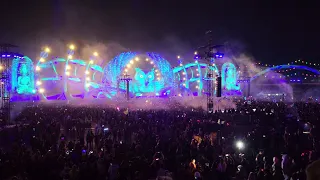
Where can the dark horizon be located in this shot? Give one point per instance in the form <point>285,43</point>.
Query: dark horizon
<point>272,32</point>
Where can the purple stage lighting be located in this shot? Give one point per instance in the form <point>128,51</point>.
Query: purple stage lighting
<point>196,57</point>
<point>218,55</point>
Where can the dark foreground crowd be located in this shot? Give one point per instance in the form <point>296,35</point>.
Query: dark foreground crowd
<point>256,141</point>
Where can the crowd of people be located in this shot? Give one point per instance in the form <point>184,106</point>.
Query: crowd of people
<point>254,141</point>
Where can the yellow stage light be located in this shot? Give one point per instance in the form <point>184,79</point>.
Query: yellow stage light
<point>131,61</point>
<point>69,57</point>
<point>87,72</point>
<point>72,47</point>
<point>47,50</point>
<point>42,60</point>
<point>41,90</point>
<point>37,68</point>
<point>91,61</point>
<point>39,83</point>
<point>87,78</point>
<point>137,59</point>
<point>68,73</point>
<point>96,54</point>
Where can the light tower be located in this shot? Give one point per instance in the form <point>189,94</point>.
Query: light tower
<point>6,55</point>
<point>210,53</point>
<point>126,78</point>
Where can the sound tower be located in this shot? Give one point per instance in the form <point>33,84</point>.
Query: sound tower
<point>218,84</point>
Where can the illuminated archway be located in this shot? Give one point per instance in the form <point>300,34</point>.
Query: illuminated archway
<point>229,76</point>
<point>64,78</point>
<point>150,74</point>
<point>286,67</point>
<point>192,76</point>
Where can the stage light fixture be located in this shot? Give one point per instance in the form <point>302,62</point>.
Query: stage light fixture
<point>240,145</point>
<point>39,83</point>
<point>69,57</point>
<point>41,90</point>
<point>47,50</point>
<point>72,47</point>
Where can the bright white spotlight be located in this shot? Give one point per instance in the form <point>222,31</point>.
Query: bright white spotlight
<point>91,61</point>
<point>42,59</point>
<point>41,90</point>
<point>178,57</point>
<point>137,59</point>
<point>68,67</point>
<point>47,50</point>
<point>87,72</point>
<point>131,61</point>
<point>72,47</point>
<point>37,68</point>
<point>87,78</point>
<point>68,73</point>
<point>147,59</point>
<point>87,85</point>
<point>240,145</point>
<point>39,83</point>
<point>151,62</point>
<point>96,54</point>
<point>128,65</point>
<point>195,53</point>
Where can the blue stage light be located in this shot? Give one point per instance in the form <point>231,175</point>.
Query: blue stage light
<point>218,55</point>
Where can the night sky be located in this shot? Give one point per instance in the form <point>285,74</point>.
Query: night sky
<point>271,31</point>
